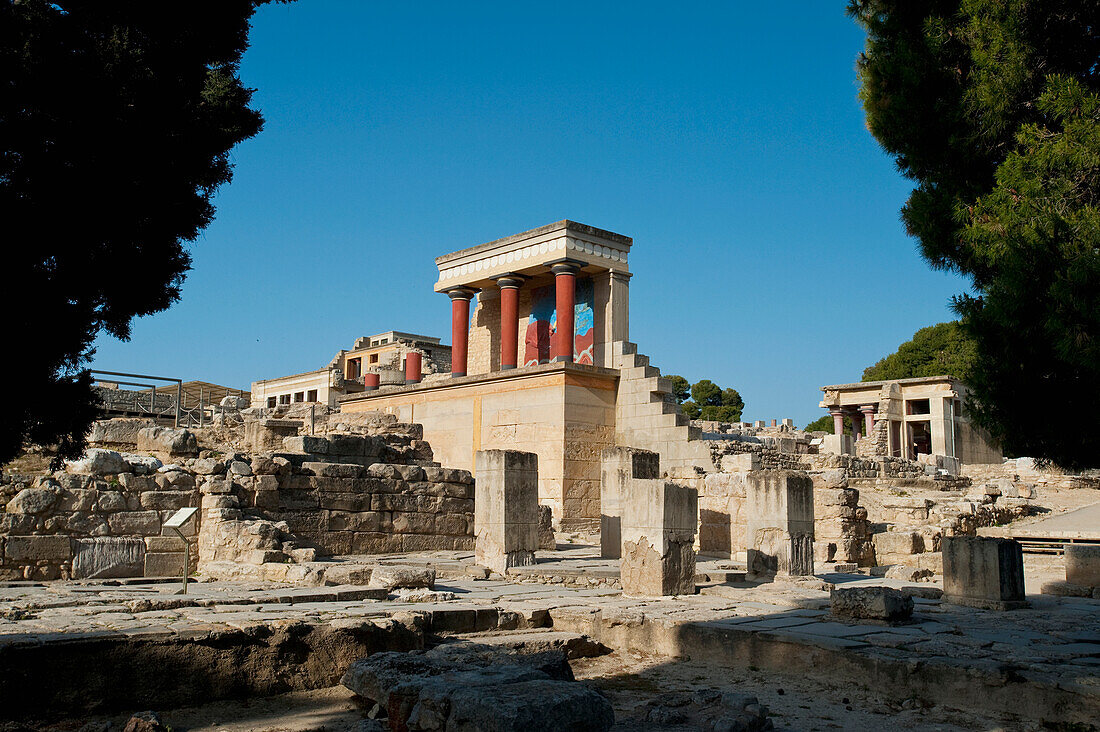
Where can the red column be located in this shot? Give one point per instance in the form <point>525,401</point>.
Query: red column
<point>460,326</point>
<point>855,427</point>
<point>412,367</point>
<point>838,421</point>
<point>565,288</point>
<point>370,382</point>
<point>509,321</point>
<point>868,417</point>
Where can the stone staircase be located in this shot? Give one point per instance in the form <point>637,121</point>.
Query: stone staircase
<point>648,417</point>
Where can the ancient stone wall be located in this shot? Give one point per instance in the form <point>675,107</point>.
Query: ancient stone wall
<point>107,494</point>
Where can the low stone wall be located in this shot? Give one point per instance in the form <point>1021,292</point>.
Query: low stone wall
<point>333,495</point>
<point>1024,470</point>
<point>112,495</point>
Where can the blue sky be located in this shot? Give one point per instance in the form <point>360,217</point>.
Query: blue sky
<point>727,139</point>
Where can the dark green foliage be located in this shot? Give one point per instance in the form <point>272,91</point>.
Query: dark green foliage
<point>116,123</point>
<point>706,393</point>
<point>713,403</point>
<point>991,106</point>
<point>681,389</point>
<point>942,349</point>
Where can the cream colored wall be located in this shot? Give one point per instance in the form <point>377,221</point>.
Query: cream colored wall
<point>319,380</point>
<point>566,419</point>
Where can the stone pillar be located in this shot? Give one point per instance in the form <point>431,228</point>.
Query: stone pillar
<point>413,367</point>
<point>506,508</point>
<point>460,328</point>
<point>658,526</point>
<point>855,428</point>
<point>565,288</point>
<point>509,321</point>
<point>779,523</point>
<point>370,382</point>
<point>868,411</point>
<point>984,572</point>
<point>618,466</point>
<point>838,420</point>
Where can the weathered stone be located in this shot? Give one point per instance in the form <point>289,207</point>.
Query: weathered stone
<point>37,548</point>
<point>984,572</point>
<point>167,440</point>
<point>1083,565</point>
<point>392,576</point>
<point>117,432</point>
<point>141,523</point>
<point>547,540</point>
<point>779,526</point>
<point>141,464</point>
<point>34,500</point>
<point>108,557</point>
<point>618,466</point>
<point>871,603</point>
<point>506,509</point>
<point>97,461</point>
<point>658,531</point>
<point>208,466</point>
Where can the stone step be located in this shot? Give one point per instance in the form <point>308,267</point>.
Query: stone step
<point>631,360</point>
<point>639,372</point>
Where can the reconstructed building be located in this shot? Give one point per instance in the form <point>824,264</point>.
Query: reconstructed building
<point>384,354</point>
<point>906,418</point>
<point>544,364</point>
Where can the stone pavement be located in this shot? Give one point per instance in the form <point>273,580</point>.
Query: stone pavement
<point>1047,655</point>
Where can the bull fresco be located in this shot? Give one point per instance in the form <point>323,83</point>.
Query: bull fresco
<point>543,322</point>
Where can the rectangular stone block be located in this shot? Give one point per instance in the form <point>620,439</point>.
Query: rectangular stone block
<point>658,534</point>
<point>506,512</point>
<point>1083,565</point>
<point>619,465</point>
<point>34,548</point>
<point>164,564</point>
<point>983,572</point>
<point>779,523</point>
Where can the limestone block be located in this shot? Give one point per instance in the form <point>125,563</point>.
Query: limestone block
<point>1083,565</point>
<point>394,576</point>
<point>658,533</point>
<point>779,523</point>
<point>741,462</point>
<point>142,464</point>
<point>163,564</point>
<point>140,523</point>
<point>871,603</point>
<point>35,548</point>
<point>618,466</point>
<point>108,557</point>
<point>546,529</point>
<point>117,431</point>
<point>167,440</point>
<point>898,542</point>
<point>34,500</point>
<point>305,443</point>
<point>984,572</point>
<point>98,462</point>
<point>168,500</point>
<point>505,508</point>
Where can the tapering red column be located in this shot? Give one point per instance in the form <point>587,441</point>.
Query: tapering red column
<point>868,417</point>
<point>509,321</point>
<point>460,327</point>
<point>838,421</point>
<point>565,289</point>
<point>370,382</point>
<point>413,366</point>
